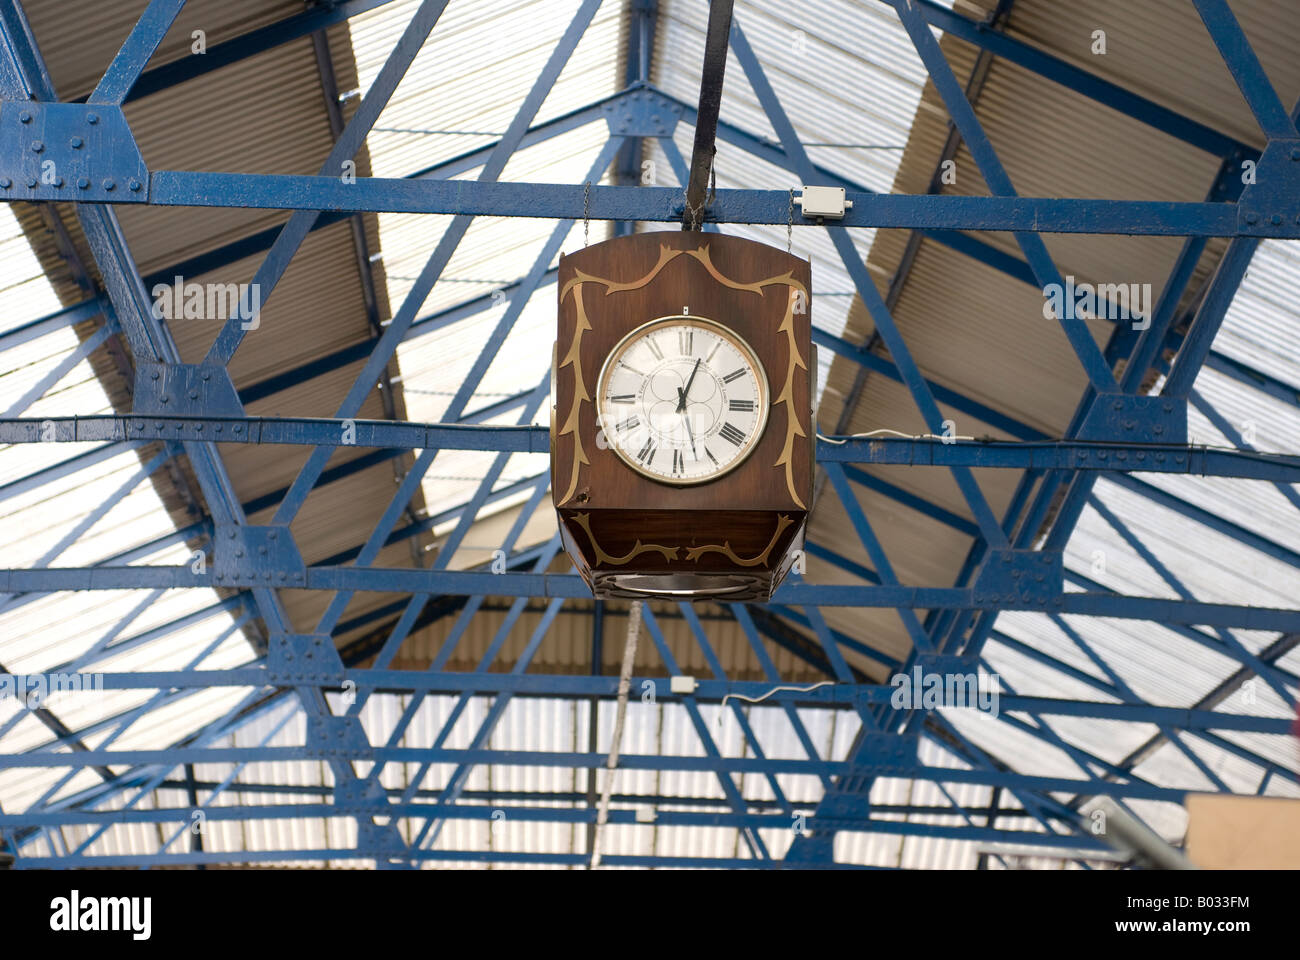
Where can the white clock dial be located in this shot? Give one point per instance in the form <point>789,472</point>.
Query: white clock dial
<point>682,400</point>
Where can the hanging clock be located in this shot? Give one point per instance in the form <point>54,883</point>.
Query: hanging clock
<point>682,419</point>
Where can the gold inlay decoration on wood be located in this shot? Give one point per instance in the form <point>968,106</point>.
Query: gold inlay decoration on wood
<point>694,553</point>
<point>584,520</point>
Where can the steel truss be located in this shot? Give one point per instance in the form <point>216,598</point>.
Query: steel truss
<point>1117,431</point>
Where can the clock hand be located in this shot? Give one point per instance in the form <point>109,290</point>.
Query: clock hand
<point>681,400</point>
<point>690,433</point>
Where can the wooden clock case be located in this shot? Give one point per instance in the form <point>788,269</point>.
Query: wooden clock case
<point>732,538</point>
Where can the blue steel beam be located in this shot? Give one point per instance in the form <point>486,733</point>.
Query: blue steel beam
<point>638,52</point>
<point>60,319</point>
<point>146,789</point>
<point>262,241</point>
<point>1092,456</point>
<point>773,153</point>
<point>1206,325</point>
<point>107,861</point>
<point>1129,696</point>
<point>571,815</point>
<point>95,515</point>
<point>1146,352</point>
<point>545,556</point>
<point>741,718</point>
<point>397,330</point>
<point>841,695</point>
<point>757,847</point>
<point>1187,363</point>
<point>568,797</point>
<point>1220,423</point>
<point>1081,81</point>
<point>417,580</point>
<point>862,282</point>
<point>746,622</point>
<point>795,616</point>
<point>148,338</point>
<point>995,19</point>
<point>1246,70</point>
<point>248,45</point>
<point>995,176</point>
<point>123,722</point>
<point>1191,251</point>
<point>1234,646</point>
<point>1209,640</point>
<point>527,758</point>
<point>1042,808</point>
<point>59,371</point>
<point>345,148</point>
<point>139,46</point>
<point>557,201</point>
<point>875,549</point>
<point>167,698</point>
<point>459,777</point>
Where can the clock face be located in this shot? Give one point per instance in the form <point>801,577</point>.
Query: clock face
<point>682,400</point>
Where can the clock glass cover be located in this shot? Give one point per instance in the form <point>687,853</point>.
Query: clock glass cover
<point>682,400</point>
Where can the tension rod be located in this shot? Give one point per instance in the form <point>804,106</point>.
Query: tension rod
<point>706,121</point>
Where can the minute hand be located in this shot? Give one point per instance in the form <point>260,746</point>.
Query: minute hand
<point>681,401</point>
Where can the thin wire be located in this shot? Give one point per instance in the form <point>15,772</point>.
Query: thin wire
<point>892,433</point>
<point>741,696</point>
<point>586,205</point>
<point>789,225</point>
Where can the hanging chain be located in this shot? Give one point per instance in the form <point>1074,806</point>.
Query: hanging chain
<point>586,206</point>
<point>695,214</point>
<point>789,223</point>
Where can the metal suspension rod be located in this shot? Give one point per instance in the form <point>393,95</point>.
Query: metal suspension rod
<point>706,121</point>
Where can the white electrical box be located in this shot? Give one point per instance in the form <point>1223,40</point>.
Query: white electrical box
<point>682,684</point>
<point>825,202</point>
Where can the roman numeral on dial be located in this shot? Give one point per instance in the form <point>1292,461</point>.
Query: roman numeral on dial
<point>685,342</point>
<point>626,425</point>
<point>654,348</point>
<point>743,406</point>
<point>623,398</point>
<point>647,454</point>
<point>734,375</point>
<point>731,434</point>
<point>679,463</point>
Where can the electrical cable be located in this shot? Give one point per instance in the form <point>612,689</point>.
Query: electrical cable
<point>741,696</point>
<point>1063,442</point>
<point>885,430</point>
